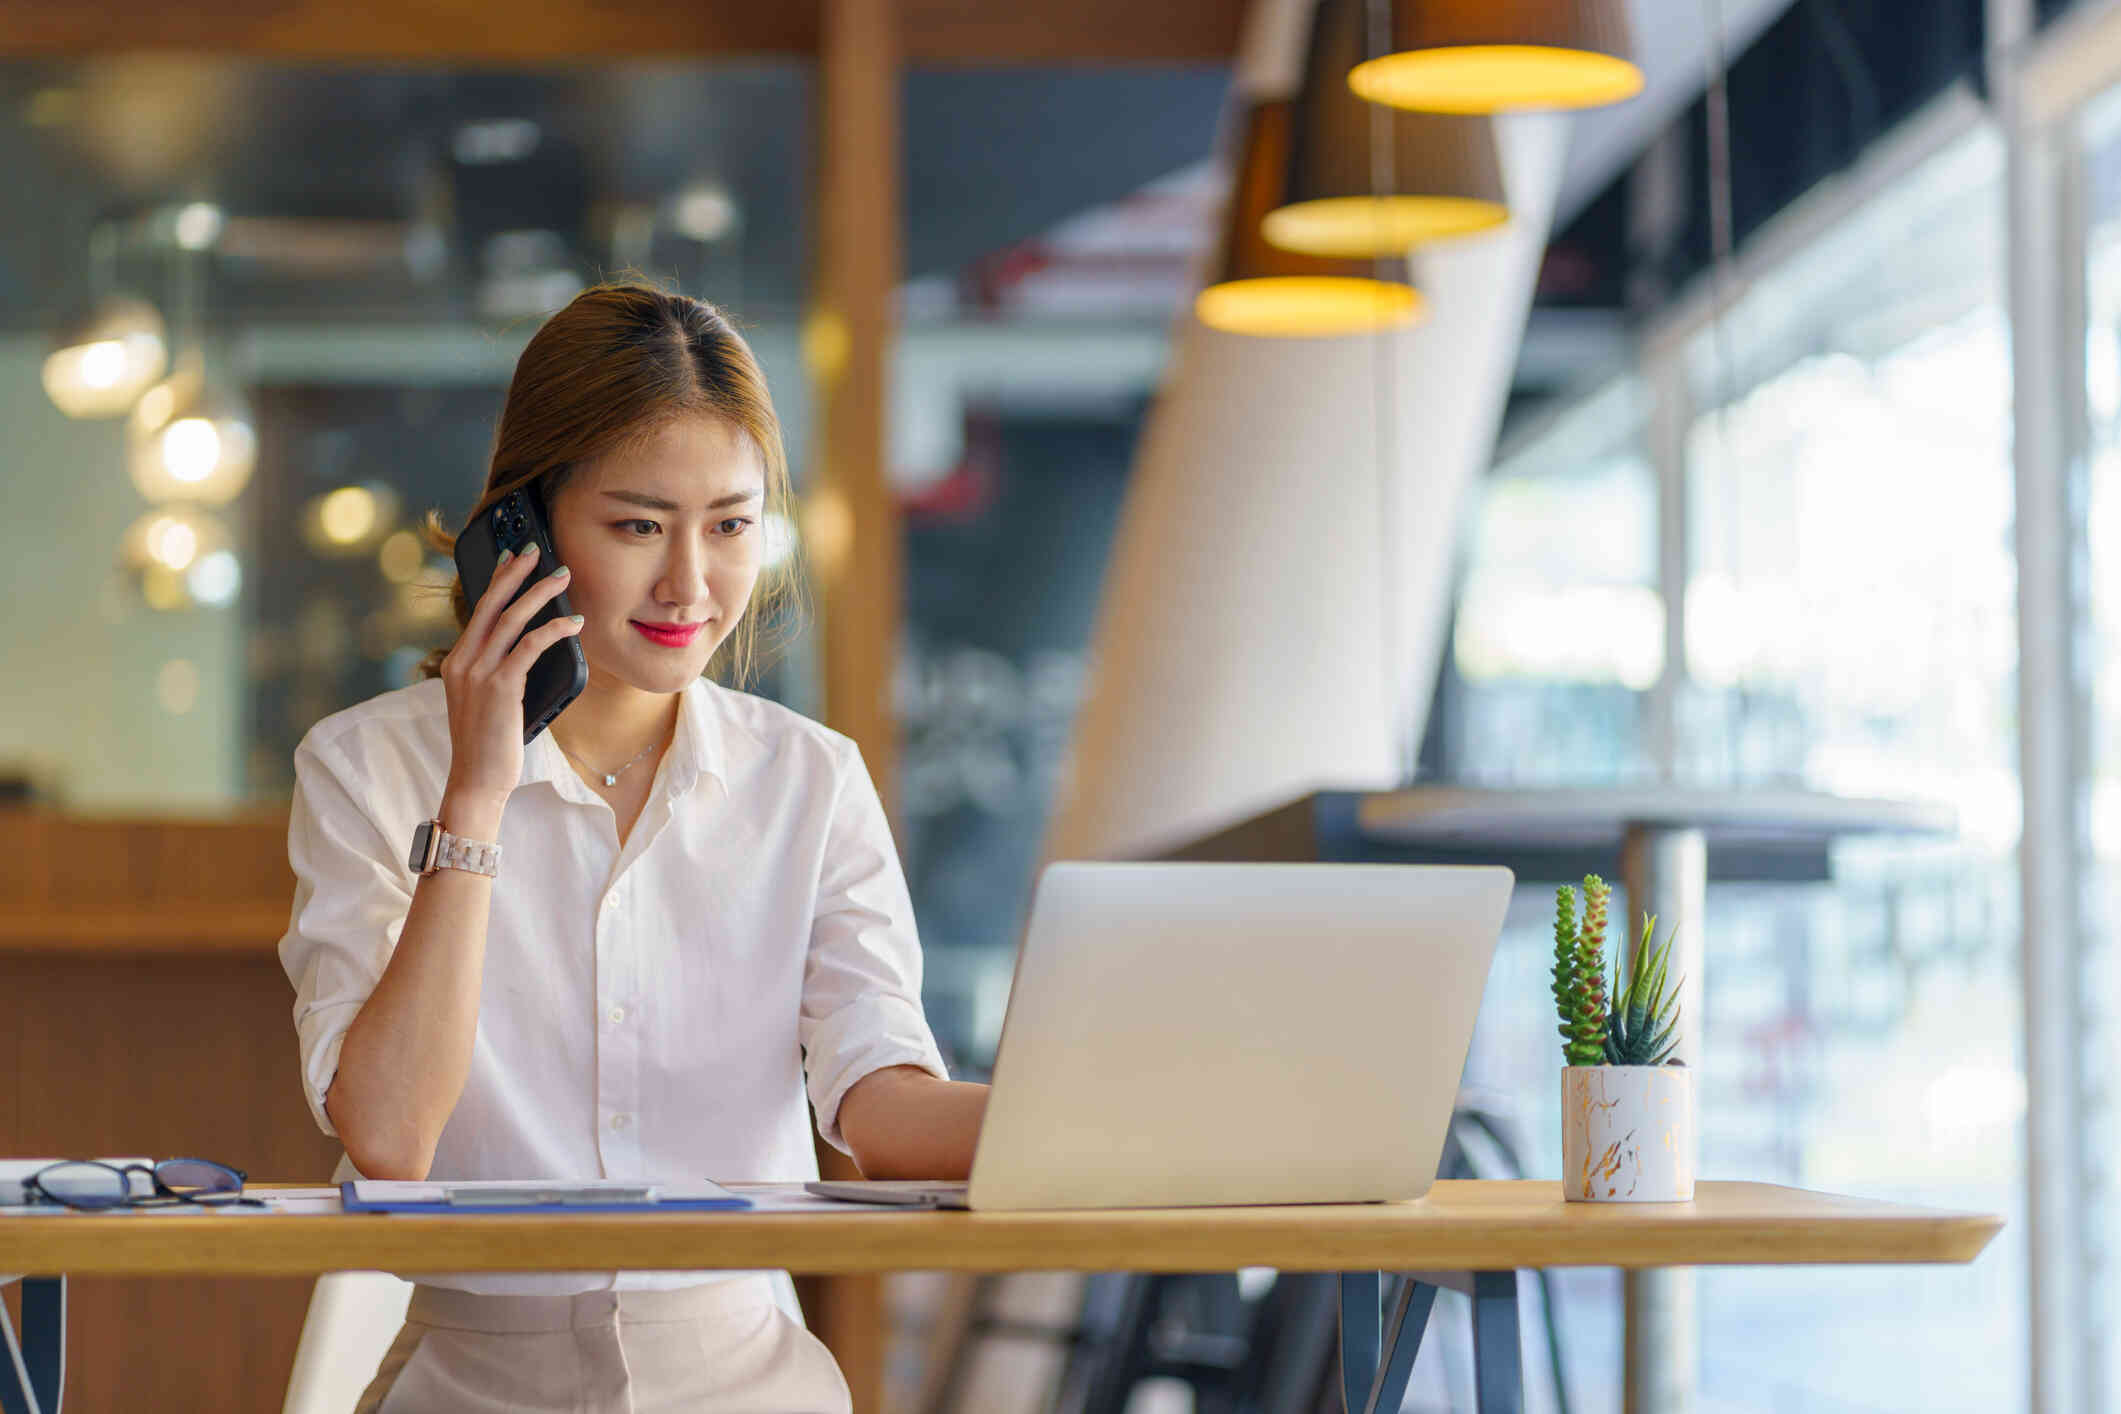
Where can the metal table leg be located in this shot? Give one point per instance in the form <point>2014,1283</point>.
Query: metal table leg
<point>1666,872</point>
<point>1374,1380</point>
<point>34,1377</point>
<point>1498,1364</point>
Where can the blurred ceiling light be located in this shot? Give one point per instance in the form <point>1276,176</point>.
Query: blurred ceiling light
<point>350,519</point>
<point>105,356</point>
<point>191,440</point>
<point>1258,289</point>
<point>215,578</point>
<point>402,557</point>
<point>1440,177</point>
<point>197,225</point>
<point>490,140</point>
<point>163,544</point>
<point>348,514</point>
<point>1478,56</point>
<point>704,211</point>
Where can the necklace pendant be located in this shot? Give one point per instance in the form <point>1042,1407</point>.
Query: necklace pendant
<point>611,780</point>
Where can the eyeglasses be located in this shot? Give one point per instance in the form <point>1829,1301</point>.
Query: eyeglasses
<point>88,1184</point>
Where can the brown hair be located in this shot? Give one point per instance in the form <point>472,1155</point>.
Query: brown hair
<point>620,362</point>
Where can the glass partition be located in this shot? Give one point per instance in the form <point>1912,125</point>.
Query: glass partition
<point>1850,628</point>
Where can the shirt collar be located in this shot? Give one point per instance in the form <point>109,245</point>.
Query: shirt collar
<point>697,749</point>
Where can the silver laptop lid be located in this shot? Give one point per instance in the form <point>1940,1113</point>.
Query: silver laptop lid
<point>1182,1034</point>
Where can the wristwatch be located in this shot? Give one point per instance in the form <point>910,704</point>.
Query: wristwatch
<point>435,848</point>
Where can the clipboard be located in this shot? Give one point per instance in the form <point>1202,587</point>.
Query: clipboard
<point>533,1195</point>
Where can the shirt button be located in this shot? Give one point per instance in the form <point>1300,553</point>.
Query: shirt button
<point>618,1121</point>
<point>618,1013</point>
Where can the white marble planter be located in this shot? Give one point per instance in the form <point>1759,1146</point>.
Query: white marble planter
<point>1627,1133</point>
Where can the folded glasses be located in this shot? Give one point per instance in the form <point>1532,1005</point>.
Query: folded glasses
<point>90,1184</point>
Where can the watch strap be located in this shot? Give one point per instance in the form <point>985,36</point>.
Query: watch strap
<point>435,848</point>
<point>474,856</point>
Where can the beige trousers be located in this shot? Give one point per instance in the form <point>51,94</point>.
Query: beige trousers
<point>721,1348</point>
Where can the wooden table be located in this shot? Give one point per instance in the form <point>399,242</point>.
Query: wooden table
<point>1475,1235</point>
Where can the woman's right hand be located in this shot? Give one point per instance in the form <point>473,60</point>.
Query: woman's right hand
<point>483,678</point>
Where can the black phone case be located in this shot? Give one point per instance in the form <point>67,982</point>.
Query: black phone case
<point>561,672</point>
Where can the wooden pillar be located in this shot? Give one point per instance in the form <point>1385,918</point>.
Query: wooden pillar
<point>850,523</point>
<point>853,523</point>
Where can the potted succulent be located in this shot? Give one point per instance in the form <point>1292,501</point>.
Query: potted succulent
<point>1627,1103</point>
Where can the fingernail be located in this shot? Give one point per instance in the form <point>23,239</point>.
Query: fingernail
<point>560,573</point>
<point>506,556</point>
<point>576,618</point>
<point>530,550</point>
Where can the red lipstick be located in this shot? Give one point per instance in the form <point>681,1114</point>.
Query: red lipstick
<point>668,635</point>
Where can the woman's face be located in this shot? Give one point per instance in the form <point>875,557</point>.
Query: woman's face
<point>663,543</point>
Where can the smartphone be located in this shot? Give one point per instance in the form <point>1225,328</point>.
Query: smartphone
<point>511,523</point>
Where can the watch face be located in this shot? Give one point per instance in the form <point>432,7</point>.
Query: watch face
<point>422,844</point>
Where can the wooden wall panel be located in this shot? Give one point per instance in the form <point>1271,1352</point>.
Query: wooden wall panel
<point>937,31</point>
<point>143,1011</point>
<point>165,1055</point>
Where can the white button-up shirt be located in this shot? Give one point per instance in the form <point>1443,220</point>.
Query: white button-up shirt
<point>645,1013</point>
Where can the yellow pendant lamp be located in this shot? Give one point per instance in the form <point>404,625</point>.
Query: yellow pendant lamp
<point>1274,293</point>
<point>1495,56</point>
<point>1439,175</point>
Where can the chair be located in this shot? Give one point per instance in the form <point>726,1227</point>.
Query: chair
<point>354,1316</point>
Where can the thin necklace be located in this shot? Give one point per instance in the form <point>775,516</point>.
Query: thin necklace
<point>611,778</point>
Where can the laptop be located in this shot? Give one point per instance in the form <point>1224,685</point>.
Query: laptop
<point>1197,1034</point>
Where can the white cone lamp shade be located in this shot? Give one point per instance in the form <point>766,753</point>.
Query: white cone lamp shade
<point>190,441</point>
<point>105,357</point>
<point>1278,592</point>
<point>1444,177</point>
<point>1261,290</point>
<point>1497,56</point>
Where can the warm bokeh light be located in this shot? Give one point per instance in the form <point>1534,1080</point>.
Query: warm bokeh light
<point>401,557</point>
<point>190,448</point>
<point>1306,306</point>
<point>187,444</point>
<point>347,515</point>
<point>1358,227</point>
<point>216,578</point>
<point>105,360</point>
<point>198,225</point>
<point>181,558</point>
<point>1495,78</point>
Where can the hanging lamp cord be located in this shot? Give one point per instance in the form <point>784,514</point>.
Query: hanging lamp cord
<point>1377,15</point>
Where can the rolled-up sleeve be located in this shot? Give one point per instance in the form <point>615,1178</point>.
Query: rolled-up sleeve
<point>862,981</point>
<point>351,895</point>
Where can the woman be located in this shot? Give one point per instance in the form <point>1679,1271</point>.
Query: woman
<point>697,905</point>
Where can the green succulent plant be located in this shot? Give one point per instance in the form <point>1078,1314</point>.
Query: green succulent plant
<point>1637,1023</point>
<point>1579,971</point>
<point>1644,1024</point>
